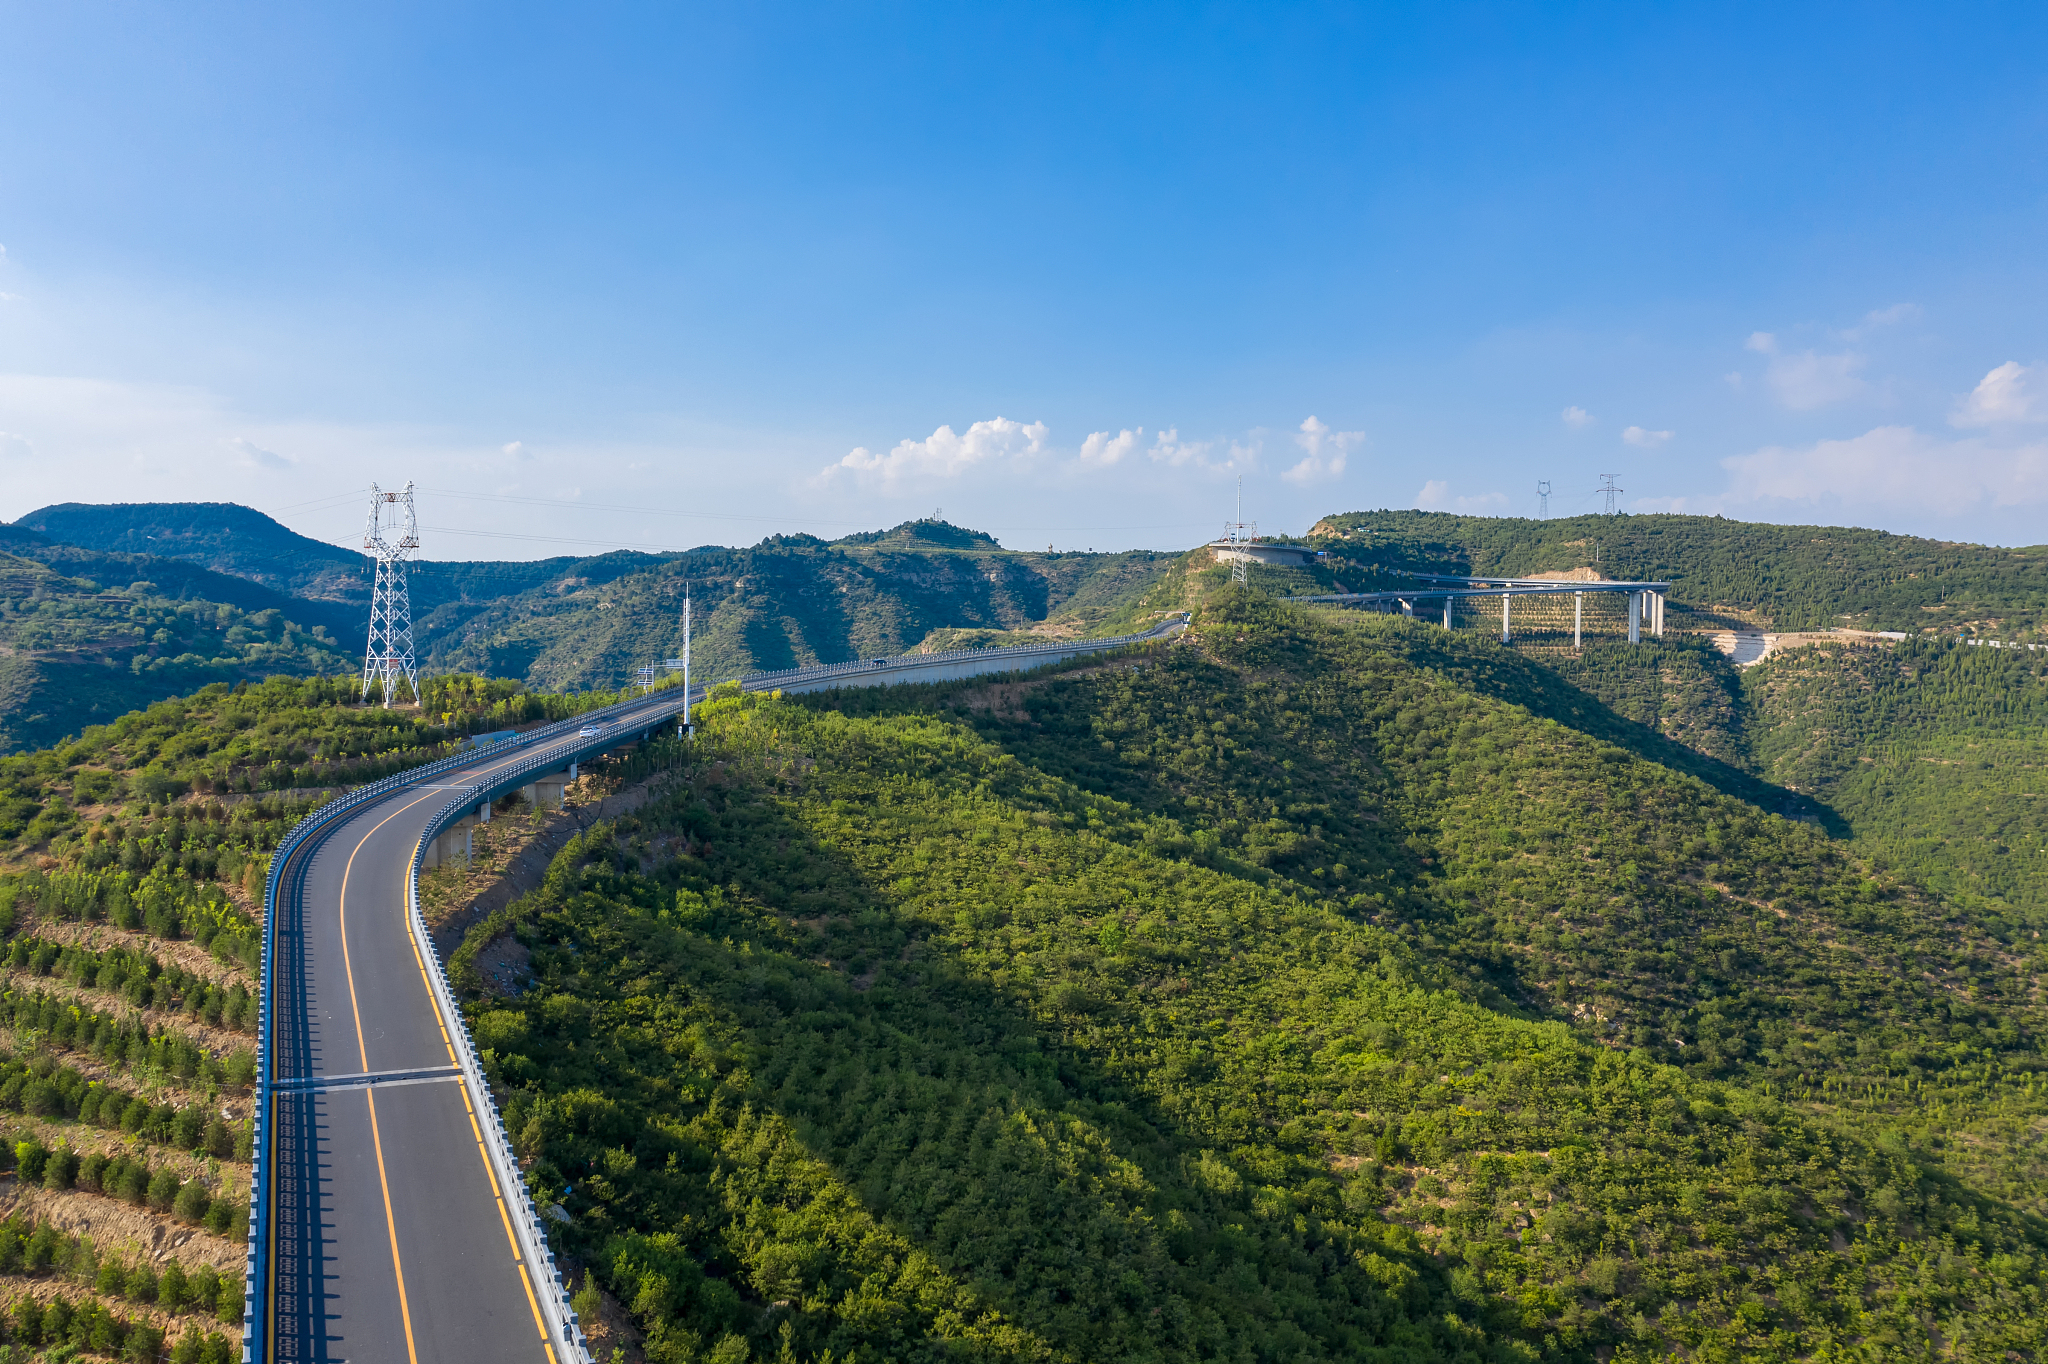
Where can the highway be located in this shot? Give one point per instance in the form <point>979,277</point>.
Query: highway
<point>392,1239</point>
<point>388,1222</point>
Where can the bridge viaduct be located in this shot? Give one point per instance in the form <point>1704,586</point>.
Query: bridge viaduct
<point>1645,599</point>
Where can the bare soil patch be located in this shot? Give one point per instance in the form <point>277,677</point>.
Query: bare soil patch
<point>220,1041</point>
<point>183,953</point>
<point>123,1229</point>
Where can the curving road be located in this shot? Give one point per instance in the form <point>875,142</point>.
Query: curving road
<point>390,1236</point>
<point>385,1228</point>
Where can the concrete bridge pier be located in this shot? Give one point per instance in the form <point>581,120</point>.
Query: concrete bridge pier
<point>1447,610</point>
<point>1578,616</point>
<point>1635,617</point>
<point>1504,599</point>
<point>453,843</point>
<point>545,792</point>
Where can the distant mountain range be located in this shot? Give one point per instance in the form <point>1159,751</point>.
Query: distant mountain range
<point>90,587</point>
<point>559,624</point>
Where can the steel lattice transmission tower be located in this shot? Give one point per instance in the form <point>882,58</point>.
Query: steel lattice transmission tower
<point>393,533</point>
<point>1612,492</point>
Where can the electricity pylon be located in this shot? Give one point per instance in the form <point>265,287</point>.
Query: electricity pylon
<point>1607,487</point>
<point>393,533</point>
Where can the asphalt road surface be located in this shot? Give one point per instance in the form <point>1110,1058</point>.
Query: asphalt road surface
<point>391,1239</point>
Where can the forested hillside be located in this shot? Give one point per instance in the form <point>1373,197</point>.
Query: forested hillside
<point>1314,988</point>
<point>1929,754</point>
<point>1324,986</point>
<point>79,651</point>
<point>1721,571</point>
<point>577,623</point>
<point>792,601</point>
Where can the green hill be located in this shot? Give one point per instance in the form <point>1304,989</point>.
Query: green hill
<point>1725,572</point>
<point>76,651</point>
<point>1320,986</point>
<point>591,622</point>
<point>223,536</point>
<point>787,602</point>
<point>1928,754</point>
<point>1304,990</point>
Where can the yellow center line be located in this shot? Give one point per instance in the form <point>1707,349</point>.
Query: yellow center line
<point>490,1171</point>
<point>376,1136</point>
<point>391,1225</point>
<point>346,965</point>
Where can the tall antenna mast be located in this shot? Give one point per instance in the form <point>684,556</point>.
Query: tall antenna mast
<point>1612,492</point>
<point>1543,499</point>
<point>393,533</point>
<point>683,663</point>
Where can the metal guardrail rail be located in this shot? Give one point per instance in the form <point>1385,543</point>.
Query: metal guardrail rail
<point>645,712</point>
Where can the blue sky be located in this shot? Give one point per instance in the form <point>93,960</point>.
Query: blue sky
<point>673,275</point>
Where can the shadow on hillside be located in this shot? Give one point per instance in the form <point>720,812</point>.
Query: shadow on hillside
<point>1506,675</point>
<point>974,1129</point>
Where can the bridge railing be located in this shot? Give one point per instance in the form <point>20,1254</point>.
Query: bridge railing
<point>645,709</point>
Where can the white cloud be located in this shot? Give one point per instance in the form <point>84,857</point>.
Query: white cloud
<point>1805,380</point>
<point>2008,395</point>
<point>254,456</point>
<point>944,453</point>
<point>1644,439</point>
<point>1892,316</point>
<point>1326,449</point>
<point>1436,496</point>
<point>515,448</point>
<point>1238,456</point>
<point>1809,379</point>
<point>1169,449</point>
<point>15,447</point>
<point>1894,469</point>
<point>1578,418</point>
<point>1103,450</point>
